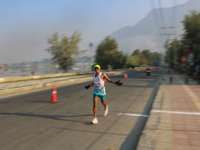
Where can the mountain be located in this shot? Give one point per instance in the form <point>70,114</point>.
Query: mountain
<point>146,34</point>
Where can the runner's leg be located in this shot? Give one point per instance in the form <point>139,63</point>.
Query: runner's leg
<point>95,100</point>
<point>105,106</point>
<point>104,103</point>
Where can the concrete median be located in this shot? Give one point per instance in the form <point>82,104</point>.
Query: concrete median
<point>32,77</point>
<point>45,85</point>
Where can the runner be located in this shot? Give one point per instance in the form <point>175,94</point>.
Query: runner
<point>99,91</point>
<point>148,71</point>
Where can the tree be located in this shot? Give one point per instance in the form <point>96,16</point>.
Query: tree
<point>107,53</point>
<point>119,60</point>
<point>144,57</point>
<point>138,58</point>
<point>157,58</point>
<point>62,48</point>
<point>130,61</point>
<point>136,52</point>
<point>148,55</point>
<point>191,25</point>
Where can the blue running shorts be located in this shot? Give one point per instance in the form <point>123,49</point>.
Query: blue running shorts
<point>102,97</point>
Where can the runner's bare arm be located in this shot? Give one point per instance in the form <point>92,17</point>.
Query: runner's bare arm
<point>111,81</point>
<point>106,77</point>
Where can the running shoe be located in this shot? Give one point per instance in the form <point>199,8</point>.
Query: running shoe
<point>106,111</point>
<point>94,121</point>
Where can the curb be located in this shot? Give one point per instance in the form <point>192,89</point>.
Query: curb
<point>34,88</point>
<point>148,137</point>
<point>31,77</point>
<point>141,122</point>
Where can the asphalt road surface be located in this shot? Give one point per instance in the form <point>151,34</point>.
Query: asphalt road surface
<point>30,122</point>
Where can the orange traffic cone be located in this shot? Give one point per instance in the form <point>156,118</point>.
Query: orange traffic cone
<point>125,75</point>
<point>54,95</point>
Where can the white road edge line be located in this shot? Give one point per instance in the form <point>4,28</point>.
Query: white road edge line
<point>176,112</point>
<point>138,115</point>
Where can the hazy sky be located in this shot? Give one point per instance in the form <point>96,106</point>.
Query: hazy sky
<point>25,24</point>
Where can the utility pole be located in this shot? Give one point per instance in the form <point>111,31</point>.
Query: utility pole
<point>91,54</point>
<point>175,53</point>
<point>169,34</point>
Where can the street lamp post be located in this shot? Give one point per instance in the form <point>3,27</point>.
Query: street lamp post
<point>91,54</point>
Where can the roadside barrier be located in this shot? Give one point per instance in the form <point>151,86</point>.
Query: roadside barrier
<point>125,75</point>
<point>54,95</point>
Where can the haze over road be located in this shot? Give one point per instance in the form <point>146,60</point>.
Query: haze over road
<point>29,121</point>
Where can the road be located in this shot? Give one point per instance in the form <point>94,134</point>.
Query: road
<point>29,121</point>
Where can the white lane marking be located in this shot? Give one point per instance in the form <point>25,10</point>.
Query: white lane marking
<point>138,115</point>
<point>176,112</point>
